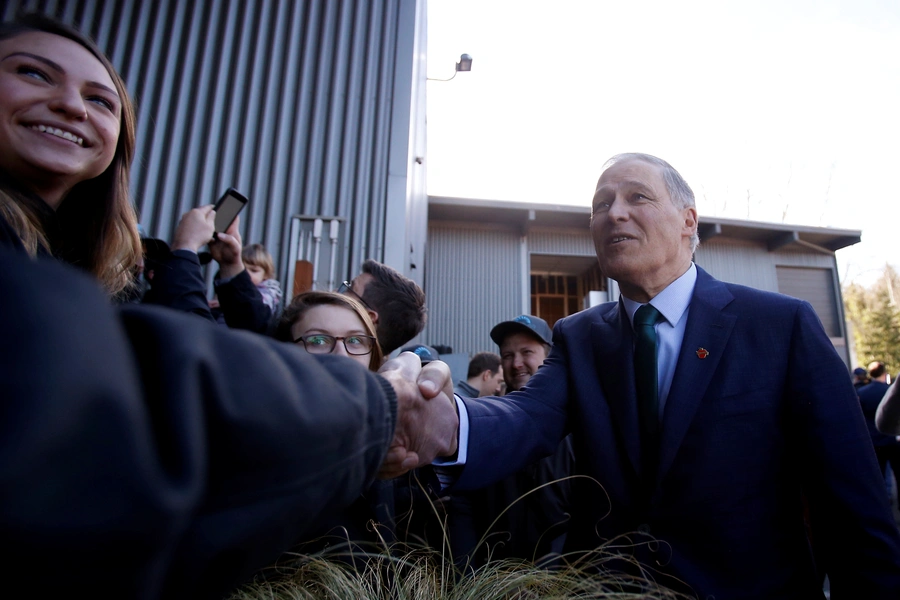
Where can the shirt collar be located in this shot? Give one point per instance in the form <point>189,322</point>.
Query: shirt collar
<point>672,302</point>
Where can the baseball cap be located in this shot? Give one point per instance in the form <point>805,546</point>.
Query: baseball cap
<point>860,372</point>
<point>523,323</point>
<point>425,353</point>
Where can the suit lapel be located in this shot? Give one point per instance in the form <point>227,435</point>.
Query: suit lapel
<point>612,341</point>
<point>708,328</point>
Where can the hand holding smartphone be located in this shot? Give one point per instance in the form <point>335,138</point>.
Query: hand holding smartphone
<point>227,208</point>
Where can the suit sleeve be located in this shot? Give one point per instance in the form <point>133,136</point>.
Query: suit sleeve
<point>852,530</point>
<point>156,455</point>
<point>887,416</point>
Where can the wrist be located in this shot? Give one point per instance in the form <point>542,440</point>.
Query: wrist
<point>227,271</point>
<point>185,245</point>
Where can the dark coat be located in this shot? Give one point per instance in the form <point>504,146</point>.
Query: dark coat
<point>149,454</point>
<point>178,284</point>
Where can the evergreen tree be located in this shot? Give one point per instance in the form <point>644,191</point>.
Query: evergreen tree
<point>875,317</point>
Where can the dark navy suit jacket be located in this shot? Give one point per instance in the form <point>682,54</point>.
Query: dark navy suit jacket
<point>761,419</point>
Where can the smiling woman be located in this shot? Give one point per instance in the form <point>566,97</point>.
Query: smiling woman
<point>66,144</point>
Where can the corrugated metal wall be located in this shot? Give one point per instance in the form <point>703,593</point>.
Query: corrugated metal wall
<point>565,243</point>
<point>299,104</point>
<point>474,281</point>
<point>752,264</point>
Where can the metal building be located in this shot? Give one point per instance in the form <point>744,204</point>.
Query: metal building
<point>314,109</point>
<point>490,261</point>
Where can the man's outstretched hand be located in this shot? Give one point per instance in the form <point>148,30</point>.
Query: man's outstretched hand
<point>427,423</point>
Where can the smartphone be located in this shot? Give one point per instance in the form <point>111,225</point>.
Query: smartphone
<point>228,207</point>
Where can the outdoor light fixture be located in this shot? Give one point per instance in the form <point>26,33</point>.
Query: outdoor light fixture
<point>464,64</point>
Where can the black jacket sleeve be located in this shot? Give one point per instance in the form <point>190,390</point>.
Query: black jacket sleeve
<point>243,305</point>
<point>148,454</point>
<point>178,283</point>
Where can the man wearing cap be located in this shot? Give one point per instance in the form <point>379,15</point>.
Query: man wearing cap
<point>860,377</point>
<point>532,527</point>
<point>524,343</point>
<point>705,416</point>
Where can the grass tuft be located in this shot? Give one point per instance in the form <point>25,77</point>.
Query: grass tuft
<point>424,574</point>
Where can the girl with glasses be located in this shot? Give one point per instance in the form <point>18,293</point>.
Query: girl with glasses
<point>331,323</point>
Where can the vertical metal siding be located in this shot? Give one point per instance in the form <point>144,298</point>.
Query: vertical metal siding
<point>564,243</point>
<point>751,264</point>
<point>473,282</point>
<point>290,101</point>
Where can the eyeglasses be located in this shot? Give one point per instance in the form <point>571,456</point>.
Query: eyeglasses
<point>346,289</point>
<point>319,343</point>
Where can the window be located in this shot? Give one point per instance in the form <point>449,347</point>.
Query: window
<point>554,296</point>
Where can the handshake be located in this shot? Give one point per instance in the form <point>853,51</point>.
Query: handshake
<point>427,420</point>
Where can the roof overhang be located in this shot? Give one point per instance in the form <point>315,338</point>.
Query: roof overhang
<point>526,215</point>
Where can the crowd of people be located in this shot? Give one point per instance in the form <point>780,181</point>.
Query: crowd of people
<point>149,453</point>
<point>153,448</point>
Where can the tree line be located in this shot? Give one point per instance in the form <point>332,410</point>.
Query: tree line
<point>874,318</point>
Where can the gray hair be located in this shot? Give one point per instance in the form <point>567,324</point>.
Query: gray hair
<point>679,191</point>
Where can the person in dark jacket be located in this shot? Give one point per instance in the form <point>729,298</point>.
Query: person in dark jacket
<point>887,447</point>
<point>178,282</point>
<point>149,454</point>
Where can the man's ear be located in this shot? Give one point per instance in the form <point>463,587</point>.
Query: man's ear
<point>486,374</point>
<point>690,221</point>
<point>373,315</point>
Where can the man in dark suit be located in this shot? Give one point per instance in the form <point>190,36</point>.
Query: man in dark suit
<point>747,416</point>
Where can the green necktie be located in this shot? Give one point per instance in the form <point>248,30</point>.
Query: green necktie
<point>646,380</point>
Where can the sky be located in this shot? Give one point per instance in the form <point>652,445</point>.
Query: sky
<point>776,111</point>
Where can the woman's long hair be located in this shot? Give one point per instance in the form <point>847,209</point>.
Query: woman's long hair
<point>303,302</point>
<point>100,208</point>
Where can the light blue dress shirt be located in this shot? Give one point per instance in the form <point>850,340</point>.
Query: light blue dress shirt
<point>673,303</point>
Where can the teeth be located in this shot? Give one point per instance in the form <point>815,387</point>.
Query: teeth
<point>59,133</point>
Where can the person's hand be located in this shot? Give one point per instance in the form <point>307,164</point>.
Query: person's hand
<point>226,250</point>
<point>427,423</point>
<point>195,229</point>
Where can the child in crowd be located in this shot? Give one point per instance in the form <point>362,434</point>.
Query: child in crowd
<point>261,269</point>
